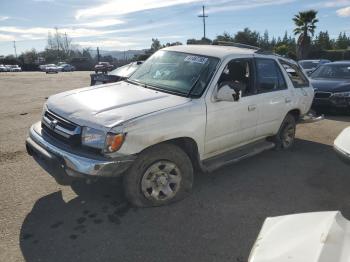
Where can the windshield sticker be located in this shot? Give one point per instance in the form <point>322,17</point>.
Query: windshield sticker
<point>196,59</point>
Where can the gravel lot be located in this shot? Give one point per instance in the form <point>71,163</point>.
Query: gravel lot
<point>41,221</point>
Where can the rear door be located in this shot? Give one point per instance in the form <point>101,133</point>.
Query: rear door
<point>274,97</point>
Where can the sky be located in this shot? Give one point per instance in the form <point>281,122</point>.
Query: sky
<point>131,24</point>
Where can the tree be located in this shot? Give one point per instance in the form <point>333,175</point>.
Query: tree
<point>155,45</point>
<point>323,42</point>
<point>203,41</point>
<point>264,41</point>
<point>247,37</point>
<point>225,37</point>
<point>305,26</point>
<point>282,49</point>
<point>342,41</point>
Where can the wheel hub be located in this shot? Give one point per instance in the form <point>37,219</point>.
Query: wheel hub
<point>161,181</point>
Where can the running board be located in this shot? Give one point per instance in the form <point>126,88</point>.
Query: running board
<point>236,155</point>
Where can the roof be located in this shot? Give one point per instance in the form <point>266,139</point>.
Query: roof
<point>210,50</point>
<point>344,62</point>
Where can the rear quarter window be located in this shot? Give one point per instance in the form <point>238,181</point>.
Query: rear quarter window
<point>295,74</point>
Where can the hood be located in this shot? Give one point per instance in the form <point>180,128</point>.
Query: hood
<point>333,85</point>
<point>311,237</point>
<point>106,106</point>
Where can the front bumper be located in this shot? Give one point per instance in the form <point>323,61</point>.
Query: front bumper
<point>60,161</point>
<point>332,102</point>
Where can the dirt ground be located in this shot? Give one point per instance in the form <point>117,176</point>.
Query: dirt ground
<point>42,221</point>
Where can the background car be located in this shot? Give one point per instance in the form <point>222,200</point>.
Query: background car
<point>103,67</point>
<point>116,75</point>
<point>331,83</point>
<point>3,68</point>
<point>310,65</point>
<point>15,68</point>
<point>66,68</point>
<point>52,69</point>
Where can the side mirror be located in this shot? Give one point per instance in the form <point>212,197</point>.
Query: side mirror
<point>227,93</point>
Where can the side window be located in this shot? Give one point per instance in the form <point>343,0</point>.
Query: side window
<point>295,74</point>
<point>269,76</point>
<point>239,73</point>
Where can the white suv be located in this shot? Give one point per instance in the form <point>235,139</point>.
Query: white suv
<point>185,108</point>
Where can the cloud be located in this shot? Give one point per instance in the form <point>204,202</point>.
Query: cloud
<point>43,31</point>
<point>3,18</point>
<point>6,38</point>
<point>234,5</point>
<point>337,3</point>
<point>102,23</point>
<point>106,43</point>
<point>344,12</point>
<point>35,33</point>
<point>329,4</point>
<point>122,7</point>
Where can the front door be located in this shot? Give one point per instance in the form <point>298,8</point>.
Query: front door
<point>230,124</point>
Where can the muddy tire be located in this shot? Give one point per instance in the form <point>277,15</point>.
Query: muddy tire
<point>286,135</point>
<point>161,175</point>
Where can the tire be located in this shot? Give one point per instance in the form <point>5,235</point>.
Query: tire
<point>164,167</point>
<point>286,134</point>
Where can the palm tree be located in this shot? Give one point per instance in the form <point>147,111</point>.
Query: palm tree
<point>305,26</point>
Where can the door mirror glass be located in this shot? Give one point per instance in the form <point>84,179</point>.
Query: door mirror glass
<point>227,93</point>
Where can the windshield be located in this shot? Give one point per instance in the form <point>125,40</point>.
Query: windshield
<point>308,64</point>
<point>335,71</point>
<point>125,71</point>
<point>176,72</point>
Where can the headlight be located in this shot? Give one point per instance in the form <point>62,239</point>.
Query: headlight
<point>98,139</point>
<point>114,142</point>
<point>44,109</point>
<point>342,94</point>
<point>93,138</point>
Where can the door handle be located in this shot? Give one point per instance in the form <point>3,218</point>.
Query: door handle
<point>251,108</point>
<point>288,100</point>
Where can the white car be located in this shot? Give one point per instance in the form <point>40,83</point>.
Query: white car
<point>15,68</point>
<point>185,108</point>
<point>307,237</point>
<point>3,68</point>
<point>52,68</point>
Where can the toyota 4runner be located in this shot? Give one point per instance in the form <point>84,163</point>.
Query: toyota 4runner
<point>185,108</point>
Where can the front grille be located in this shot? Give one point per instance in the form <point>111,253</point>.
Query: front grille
<point>61,129</point>
<point>323,95</point>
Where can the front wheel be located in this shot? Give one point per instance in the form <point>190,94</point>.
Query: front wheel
<point>286,135</point>
<point>161,175</point>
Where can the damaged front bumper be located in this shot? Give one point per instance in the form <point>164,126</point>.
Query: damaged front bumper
<point>63,162</point>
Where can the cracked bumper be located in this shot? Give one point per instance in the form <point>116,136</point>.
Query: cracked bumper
<point>61,162</point>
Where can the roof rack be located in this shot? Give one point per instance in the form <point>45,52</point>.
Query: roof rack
<point>228,43</point>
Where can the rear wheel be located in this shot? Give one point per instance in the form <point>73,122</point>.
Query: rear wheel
<point>286,134</point>
<point>161,175</point>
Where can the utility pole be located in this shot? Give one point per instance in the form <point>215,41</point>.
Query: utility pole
<point>14,46</point>
<point>58,43</point>
<point>98,55</point>
<point>203,16</point>
<point>66,43</point>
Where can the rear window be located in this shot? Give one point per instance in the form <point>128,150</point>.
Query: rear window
<point>270,77</point>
